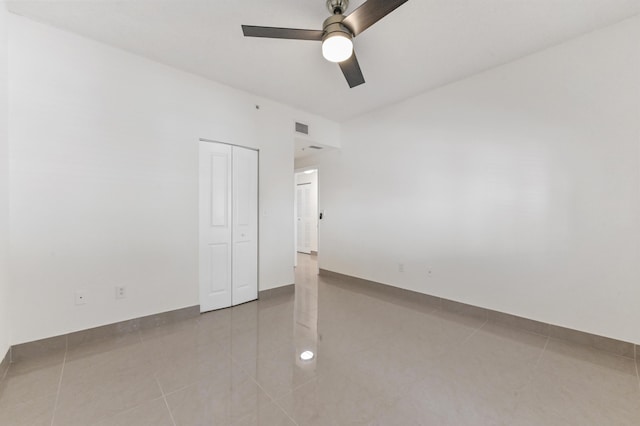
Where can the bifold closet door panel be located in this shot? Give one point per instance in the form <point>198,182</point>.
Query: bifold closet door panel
<point>304,219</point>
<point>245,225</point>
<point>215,251</point>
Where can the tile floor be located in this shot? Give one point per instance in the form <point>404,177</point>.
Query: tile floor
<point>378,360</point>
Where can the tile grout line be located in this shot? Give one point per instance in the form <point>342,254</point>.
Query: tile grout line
<point>272,399</point>
<point>243,370</point>
<point>183,387</point>
<point>475,331</point>
<point>240,366</point>
<point>533,368</point>
<point>164,398</point>
<point>128,410</point>
<point>544,348</point>
<point>535,365</point>
<point>64,363</point>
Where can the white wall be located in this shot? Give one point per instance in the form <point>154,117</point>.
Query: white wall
<point>517,189</point>
<point>104,162</point>
<point>4,188</point>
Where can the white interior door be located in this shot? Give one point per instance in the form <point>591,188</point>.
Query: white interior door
<point>303,200</point>
<point>245,226</point>
<point>215,270</point>
<point>228,261</point>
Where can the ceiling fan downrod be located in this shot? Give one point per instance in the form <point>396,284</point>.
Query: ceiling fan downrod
<point>337,7</point>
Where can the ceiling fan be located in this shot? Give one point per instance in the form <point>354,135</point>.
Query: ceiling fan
<point>337,32</point>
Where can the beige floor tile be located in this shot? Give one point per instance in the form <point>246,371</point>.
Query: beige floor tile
<point>266,415</point>
<point>76,405</point>
<point>103,385</point>
<point>224,398</point>
<point>440,397</point>
<point>214,326</point>
<point>37,363</point>
<point>91,344</point>
<point>340,394</point>
<point>497,359</point>
<point>92,370</point>
<point>354,334</point>
<point>279,372</point>
<point>36,355</point>
<point>334,400</point>
<point>23,386</point>
<point>191,365</point>
<point>152,413</point>
<point>32,412</point>
<point>248,345</point>
<point>580,385</point>
<point>171,338</point>
<point>412,411</point>
<point>390,369</point>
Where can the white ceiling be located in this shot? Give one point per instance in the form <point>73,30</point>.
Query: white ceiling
<point>422,45</point>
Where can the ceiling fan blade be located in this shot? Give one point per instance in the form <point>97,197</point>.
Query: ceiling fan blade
<point>369,13</point>
<point>351,70</point>
<point>288,33</point>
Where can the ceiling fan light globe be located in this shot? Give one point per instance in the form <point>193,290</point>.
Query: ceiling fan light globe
<point>337,48</point>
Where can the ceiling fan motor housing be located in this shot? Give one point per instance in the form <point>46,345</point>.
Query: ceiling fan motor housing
<point>333,25</point>
<point>337,7</point>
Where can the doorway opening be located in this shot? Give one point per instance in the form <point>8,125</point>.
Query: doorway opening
<point>306,213</point>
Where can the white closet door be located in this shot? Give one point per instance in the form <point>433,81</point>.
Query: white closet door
<point>215,261</point>
<point>303,195</point>
<point>245,225</point>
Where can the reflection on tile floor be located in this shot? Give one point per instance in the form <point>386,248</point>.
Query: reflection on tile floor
<point>377,360</point>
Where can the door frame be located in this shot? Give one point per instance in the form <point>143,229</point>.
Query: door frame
<point>257,150</point>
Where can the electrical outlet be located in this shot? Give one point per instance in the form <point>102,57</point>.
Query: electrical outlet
<point>121,292</point>
<point>81,297</point>
<point>400,267</point>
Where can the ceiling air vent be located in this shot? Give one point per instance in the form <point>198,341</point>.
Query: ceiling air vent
<point>315,147</point>
<point>302,128</point>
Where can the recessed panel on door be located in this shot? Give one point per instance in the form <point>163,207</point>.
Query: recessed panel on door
<point>219,274</point>
<point>219,195</point>
<point>215,265</point>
